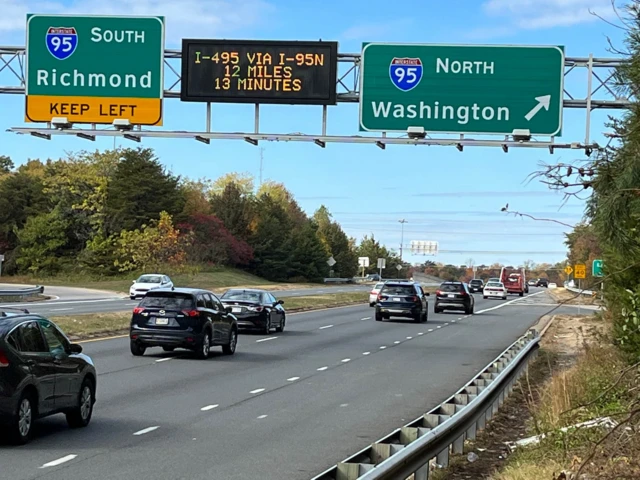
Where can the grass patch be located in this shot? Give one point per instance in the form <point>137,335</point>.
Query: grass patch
<point>212,279</point>
<point>95,325</point>
<point>562,295</point>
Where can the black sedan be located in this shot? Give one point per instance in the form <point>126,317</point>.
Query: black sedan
<point>41,373</point>
<point>255,309</point>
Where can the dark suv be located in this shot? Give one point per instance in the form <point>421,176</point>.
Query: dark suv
<point>183,318</point>
<point>454,296</point>
<point>41,373</point>
<point>476,285</point>
<point>402,299</point>
<point>542,282</point>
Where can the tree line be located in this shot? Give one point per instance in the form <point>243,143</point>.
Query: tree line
<point>120,211</point>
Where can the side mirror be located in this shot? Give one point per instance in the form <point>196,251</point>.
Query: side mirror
<point>427,294</point>
<point>75,348</point>
<point>280,302</point>
<point>228,309</point>
<point>132,282</point>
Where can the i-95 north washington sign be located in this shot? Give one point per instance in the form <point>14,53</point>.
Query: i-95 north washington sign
<point>94,69</point>
<point>481,89</point>
<point>255,71</point>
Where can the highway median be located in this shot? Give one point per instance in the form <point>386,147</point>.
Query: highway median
<point>104,325</point>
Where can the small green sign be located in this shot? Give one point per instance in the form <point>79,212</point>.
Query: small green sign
<point>596,269</point>
<point>94,69</point>
<point>483,89</point>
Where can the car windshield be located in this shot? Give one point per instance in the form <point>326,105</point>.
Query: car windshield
<point>451,287</point>
<point>149,279</point>
<point>398,290</point>
<point>378,286</point>
<point>168,301</point>
<point>242,295</point>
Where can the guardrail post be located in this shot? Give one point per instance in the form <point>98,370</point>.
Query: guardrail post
<point>422,473</point>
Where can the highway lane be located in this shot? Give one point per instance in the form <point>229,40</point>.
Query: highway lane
<point>66,306</point>
<point>285,406</point>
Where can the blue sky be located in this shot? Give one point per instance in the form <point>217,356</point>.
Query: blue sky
<point>446,196</point>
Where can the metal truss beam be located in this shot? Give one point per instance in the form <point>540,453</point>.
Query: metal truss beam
<point>597,72</point>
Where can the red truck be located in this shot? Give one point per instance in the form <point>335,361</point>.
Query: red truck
<point>514,280</point>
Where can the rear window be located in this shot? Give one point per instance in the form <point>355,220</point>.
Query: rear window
<point>242,296</point>
<point>476,282</point>
<point>451,287</point>
<point>398,290</point>
<point>168,300</point>
<point>378,286</point>
<point>494,284</point>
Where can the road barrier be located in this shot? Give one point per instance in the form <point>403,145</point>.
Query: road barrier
<point>591,293</point>
<point>13,295</point>
<point>442,431</point>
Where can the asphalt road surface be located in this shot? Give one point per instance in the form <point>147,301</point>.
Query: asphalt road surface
<point>77,301</point>
<point>285,406</point>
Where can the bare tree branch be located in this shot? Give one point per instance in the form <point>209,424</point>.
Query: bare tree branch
<point>519,214</point>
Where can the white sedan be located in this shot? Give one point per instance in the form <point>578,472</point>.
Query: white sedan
<point>148,282</point>
<point>373,294</point>
<point>495,289</point>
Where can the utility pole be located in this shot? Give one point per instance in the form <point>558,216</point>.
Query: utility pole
<point>402,222</point>
<point>261,159</point>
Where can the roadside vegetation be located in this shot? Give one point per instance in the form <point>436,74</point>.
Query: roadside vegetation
<point>96,218</point>
<point>591,371</point>
<point>98,325</point>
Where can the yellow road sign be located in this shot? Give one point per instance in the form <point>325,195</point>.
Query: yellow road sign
<point>581,271</point>
<point>568,270</point>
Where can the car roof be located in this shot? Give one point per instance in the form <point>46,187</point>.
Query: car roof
<point>11,319</point>
<point>185,290</point>
<point>452,282</point>
<point>254,290</point>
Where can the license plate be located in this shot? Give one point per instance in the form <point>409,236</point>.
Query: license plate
<point>396,299</point>
<point>236,309</point>
<point>395,311</point>
<point>451,296</point>
<point>162,321</point>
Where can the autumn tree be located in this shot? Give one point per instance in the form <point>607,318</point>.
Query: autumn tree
<point>6,165</point>
<point>234,207</point>
<point>336,243</point>
<point>243,181</point>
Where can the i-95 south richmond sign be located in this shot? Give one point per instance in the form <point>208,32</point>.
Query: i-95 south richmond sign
<point>481,89</point>
<point>94,69</point>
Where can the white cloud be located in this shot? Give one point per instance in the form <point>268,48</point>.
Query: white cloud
<point>541,14</point>
<point>184,18</point>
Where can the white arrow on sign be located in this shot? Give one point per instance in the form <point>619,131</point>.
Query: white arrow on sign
<point>543,102</point>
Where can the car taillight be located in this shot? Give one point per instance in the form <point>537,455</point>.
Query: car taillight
<point>190,313</point>
<point>438,292</point>
<point>413,299</point>
<point>379,297</point>
<point>4,361</point>
<point>255,309</point>
<point>138,310</point>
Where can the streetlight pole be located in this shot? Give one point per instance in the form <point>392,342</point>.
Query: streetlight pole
<point>402,222</point>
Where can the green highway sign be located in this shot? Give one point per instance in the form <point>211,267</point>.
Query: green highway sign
<point>481,89</point>
<point>94,69</point>
<point>596,269</point>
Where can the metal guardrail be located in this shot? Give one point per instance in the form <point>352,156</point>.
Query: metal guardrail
<point>580,291</point>
<point>21,292</point>
<point>443,430</point>
<point>339,280</point>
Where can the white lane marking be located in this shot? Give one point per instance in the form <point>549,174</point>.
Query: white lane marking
<point>258,390</point>
<point>326,326</point>
<point>366,353</point>
<point>366,318</point>
<point>382,347</point>
<point>409,338</point>
<point>266,339</point>
<point>345,360</point>
<point>421,333</point>
<point>322,369</point>
<point>208,407</point>
<point>397,342</point>
<point>293,379</point>
<point>166,359</point>
<point>344,405</point>
<point>59,461</point>
<point>446,324</point>
<point>439,326</point>
<point>262,416</point>
<point>60,309</point>
<point>146,430</point>
<point>320,291</point>
<point>430,330</point>
<point>510,302</point>
<point>453,321</point>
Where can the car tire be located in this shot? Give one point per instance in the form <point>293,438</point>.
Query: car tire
<point>80,416</point>
<point>203,347</point>
<point>267,328</point>
<point>378,317</point>
<point>485,297</point>
<point>21,428</point>
<point>230,348</point>
<point>437,310</point>
<point>425,316</point>
<point>132,298</point>
<point>521,294</point>
<point>504,298</point>
<point>280,328</point>
<point>137,349</point>
<point>168,349</point>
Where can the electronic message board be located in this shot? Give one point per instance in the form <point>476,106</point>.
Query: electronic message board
<point>249,71</point>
